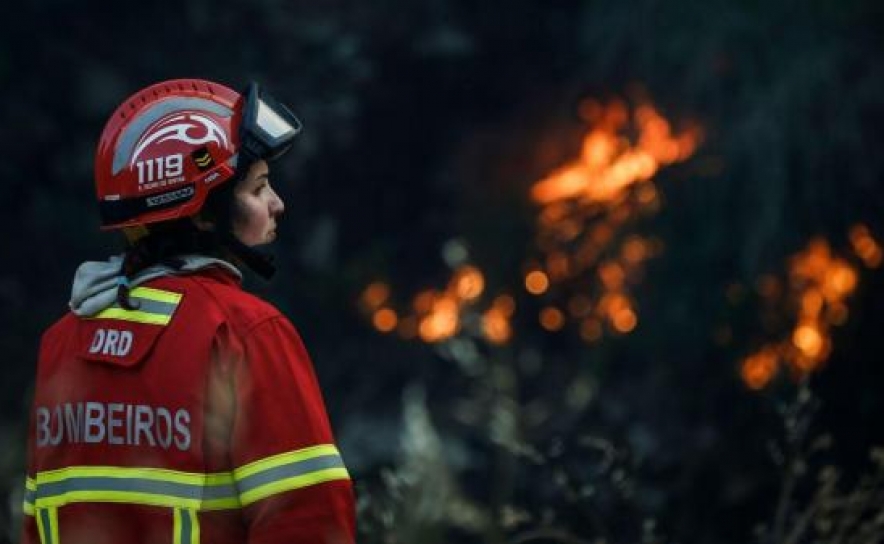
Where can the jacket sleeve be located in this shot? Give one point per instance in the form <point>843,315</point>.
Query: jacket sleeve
<point>292,482</point>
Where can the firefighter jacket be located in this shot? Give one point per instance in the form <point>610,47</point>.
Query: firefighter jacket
<point>194,417</point>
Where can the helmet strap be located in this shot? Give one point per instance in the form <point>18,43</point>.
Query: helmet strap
<point>261,263</point>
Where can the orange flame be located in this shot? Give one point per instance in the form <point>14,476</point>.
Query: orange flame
<point>609,163</point>
<point>819,283</point>
<point>436,315</point>
<point>583,207</point>
<point>585,204</point>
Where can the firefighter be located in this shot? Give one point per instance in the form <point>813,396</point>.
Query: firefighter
<point>171,406</point>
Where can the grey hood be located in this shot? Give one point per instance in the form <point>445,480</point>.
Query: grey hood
<point>95,282</point>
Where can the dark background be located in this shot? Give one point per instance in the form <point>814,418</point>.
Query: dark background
<point>428,122</point>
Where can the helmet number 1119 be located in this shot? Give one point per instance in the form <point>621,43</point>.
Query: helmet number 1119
<point>160,168</point>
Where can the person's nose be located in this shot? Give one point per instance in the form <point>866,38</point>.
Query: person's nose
<point>277,206</point>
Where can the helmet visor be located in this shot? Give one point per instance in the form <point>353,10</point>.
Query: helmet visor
<point>268,128</point>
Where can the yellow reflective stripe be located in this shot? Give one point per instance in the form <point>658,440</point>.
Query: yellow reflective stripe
<point>158,295</point>
<point>133,315</point>
<point>40,529</point>
<point>187,491</point>
<point>147,486</point>
<point>176,525</point>
<point>157,307</point>
<point>186,526</point>
<point>158,474</point>
<point>289,471</point>
<point>28,502</point>
<point>53,524</point>
<point>292,483</point>
<point>47,525</point>
<point>284,459</point>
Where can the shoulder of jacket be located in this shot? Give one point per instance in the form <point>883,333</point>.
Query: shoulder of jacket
<point>64,323</point>
<point>241,309</point>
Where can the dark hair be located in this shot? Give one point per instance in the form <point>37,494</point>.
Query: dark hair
<point>165,242</point>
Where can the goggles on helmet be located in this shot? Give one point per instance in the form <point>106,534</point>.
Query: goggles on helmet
<point>268,128</point>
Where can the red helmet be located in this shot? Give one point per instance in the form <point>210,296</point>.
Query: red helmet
<point>167,146</point>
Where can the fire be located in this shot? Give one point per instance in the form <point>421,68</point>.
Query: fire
<point>584,206</point>
<point>865,247</point>
<point>817,287</point>
<point>436,314</point>
<point>609,163</point>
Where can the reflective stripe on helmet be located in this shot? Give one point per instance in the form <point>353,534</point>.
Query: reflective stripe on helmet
<point>132,133</point>
<point>154,306</point>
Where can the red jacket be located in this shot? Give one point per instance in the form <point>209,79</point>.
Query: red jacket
<point>196,418</point>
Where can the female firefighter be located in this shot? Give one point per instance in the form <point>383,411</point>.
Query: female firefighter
<point>170,405</point>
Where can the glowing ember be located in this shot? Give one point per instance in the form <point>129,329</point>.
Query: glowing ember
<point>468,283</point>
<point>624,320</point>
<point>385,320</point>
<point>441,322</point>
<point>375,295</point>
<point>536,282</point>
<point>552,319</point>
<point>758,369</point>
<point>505,304</point>
<point>436,315</point>
<point>496,326</point>
<point>590,329</point>
<point>865,246</point>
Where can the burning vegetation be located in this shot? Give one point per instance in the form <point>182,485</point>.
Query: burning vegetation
<point>587,258</point>
<point>817,286</point>
<point>584,261</point>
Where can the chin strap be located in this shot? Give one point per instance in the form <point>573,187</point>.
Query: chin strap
<point>261,263</point>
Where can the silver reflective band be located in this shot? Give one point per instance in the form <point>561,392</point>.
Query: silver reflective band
<point>150,306</point>
<point>290,470</point>
<point>160,489</point>
<point>153,306</point>
<point>128,139</point>
<point>272,123</point>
